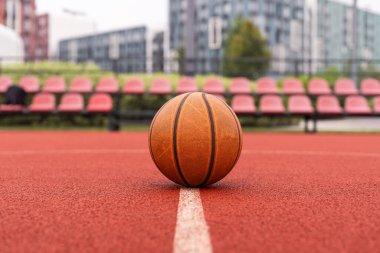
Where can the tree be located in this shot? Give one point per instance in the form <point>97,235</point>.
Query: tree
<point>245,51</point>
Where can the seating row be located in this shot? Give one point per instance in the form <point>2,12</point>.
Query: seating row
<point>327,105</point>
<point>70,103</point>
<point>264,86</point>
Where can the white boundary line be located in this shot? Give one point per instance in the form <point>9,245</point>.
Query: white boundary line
<point>146,151</point>
<point>191,233</point>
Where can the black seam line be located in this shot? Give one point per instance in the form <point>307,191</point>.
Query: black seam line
<point>238,129</point>
<point>150,135</point>
<point>175,139</point>
<point>212,124</point>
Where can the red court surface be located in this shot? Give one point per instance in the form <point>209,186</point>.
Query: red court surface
<point>100,192</point>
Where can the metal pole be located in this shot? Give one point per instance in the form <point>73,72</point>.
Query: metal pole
<point>354,67</point>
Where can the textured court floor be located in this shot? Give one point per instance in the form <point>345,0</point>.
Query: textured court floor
<point>100,192</point>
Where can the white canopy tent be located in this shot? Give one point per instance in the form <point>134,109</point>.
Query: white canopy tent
<point>11,46</point>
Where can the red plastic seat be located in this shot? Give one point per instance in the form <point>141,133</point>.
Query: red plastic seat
<point>11,108</point>
<point>300,105</point>
<point>71,103</point>
<point>43,103</point>
<point>55,85</point>
<point>376,105</point>
<point>160,87</point>
<point>243,104</point>
<point>81,85</point>
<point>107,85</point>
<point>292,87</point>
<point>186,84</point>
<point>272,104</point>
<point>214,86</point>
<point>134,87</point>
<point>30,84</point>
<point>240,86</point>
<point>5,83</point>
<point>328,105</point>
<point>357,105</point>
<point>319,87</point>
<point>266,86</point>
<point>370,87</point>
<point>100,103</point>
<point>345,87</point>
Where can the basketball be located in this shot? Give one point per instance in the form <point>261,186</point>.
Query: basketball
<point>195,139</point>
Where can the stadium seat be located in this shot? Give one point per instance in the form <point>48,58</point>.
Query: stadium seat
<point>186,84</point>
<point>100,103</point>
<point>11,108</point>
<point>370,87</point>
<point>357,105</point>
<point>221,97</point>
<point>55,85</point>
<point>30,84</point>
<point>214,86</point>
<point>107,85</point>
<point>5,83</point>
<point>292,87</point>
<point>328,105</point>
<point>376,105</point>
<point>319,87</point>
<point>345,87</point>
<point>243,104</point>
<point>266,86</point>
<point>240,86</point>
<point>134,87</point>
<point>160,87</point>
<point>81,85</point>
<point>71,103</point>
<point>43,103</point>
<point>300,105</point>
<point>271,104</point>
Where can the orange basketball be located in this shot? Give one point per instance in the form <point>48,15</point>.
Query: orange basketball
<point>195,139</point>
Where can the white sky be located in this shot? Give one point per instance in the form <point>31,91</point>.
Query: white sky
<point>113,14</point>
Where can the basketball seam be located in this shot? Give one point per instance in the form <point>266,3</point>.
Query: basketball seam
<point>239,139</point>
<point>213,144</point>
<point>176,159</point>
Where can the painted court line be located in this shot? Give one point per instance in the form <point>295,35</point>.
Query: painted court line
<point>191,233</point>
<point>146,151</point>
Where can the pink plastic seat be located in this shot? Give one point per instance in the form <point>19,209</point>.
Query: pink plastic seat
<point>100,103</point>
<point>300,105</point>
<point>160,87</point>
<point>81,85</point>
<point>292,87</point>
<point>5,83</point>
<point>266,86</point>
<point>134,87</point>
<point>240,86</point>
<point>243,104</point>
<point>272,104</point>
<point>319,87</point>
<point>11,108</point>
<point>376,105</point>
<point>71,103</point>
<point>370,87</point>
<point>30,84</point>
<point>186,84</point>
<point>328,105</point>
<point>43,103</point>
<point>55,85</point>
<point>345,87</point>
<point>221,97</point>
<point>214,86</point>
<point>357,105</point>
<point>107,85</point>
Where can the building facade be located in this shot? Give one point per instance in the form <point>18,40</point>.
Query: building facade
<point>20,16</point>
<point>51,29</point>
<point>127,50</point>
